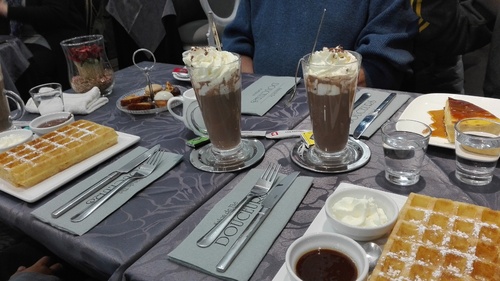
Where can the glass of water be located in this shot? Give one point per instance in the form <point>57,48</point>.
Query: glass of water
<point>477,149</point>
<point>405,143</point>
<point>48,98</point>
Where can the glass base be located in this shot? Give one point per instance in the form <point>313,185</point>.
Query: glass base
<point>473,179</point>
<point>355,155</point>
<point>403,179</point>
<point>249,153</point>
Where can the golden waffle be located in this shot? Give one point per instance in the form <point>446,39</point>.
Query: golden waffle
<point>440,239</point>
<point>43,157</point>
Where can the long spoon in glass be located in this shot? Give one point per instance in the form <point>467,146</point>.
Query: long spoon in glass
<point>298,64</point>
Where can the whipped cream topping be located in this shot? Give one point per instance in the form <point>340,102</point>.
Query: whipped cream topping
<point>209,66</point>
<point>343,62</point>
<point>363,212</point>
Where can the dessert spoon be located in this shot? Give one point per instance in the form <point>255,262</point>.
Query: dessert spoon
<point>373,252</point>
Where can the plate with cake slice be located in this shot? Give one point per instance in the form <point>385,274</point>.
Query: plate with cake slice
<point>138,101</point>
<point>442,111</point>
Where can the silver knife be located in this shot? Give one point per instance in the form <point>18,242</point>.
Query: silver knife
<point>365,123</point>
<point>361,100</point>
<point>271,199</point>
<point>105,181</point>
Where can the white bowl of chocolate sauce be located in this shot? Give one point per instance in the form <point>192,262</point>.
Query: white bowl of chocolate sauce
<point>50,122</point>
<point>326,256</point>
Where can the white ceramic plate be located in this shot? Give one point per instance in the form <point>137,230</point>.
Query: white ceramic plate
<point>148,111</point>
<point>181,77</point>
<point>418,108</point>
<point>320,223</point>
<point>45,187</point>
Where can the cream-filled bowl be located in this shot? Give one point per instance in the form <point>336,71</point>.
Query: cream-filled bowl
<point>50,122</point>
<point>312,255</point>
<point>12,138</point>
<point>362,214</point>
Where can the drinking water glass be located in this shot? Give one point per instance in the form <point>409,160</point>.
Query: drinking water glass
<point>477,149</point>
<point>405,143</point>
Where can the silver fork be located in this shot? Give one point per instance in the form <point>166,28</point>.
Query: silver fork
<point>143,171</point>
<point>263,185</point>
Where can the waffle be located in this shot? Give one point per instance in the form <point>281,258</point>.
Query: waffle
<point>43,157</point>
<point>440,239</point>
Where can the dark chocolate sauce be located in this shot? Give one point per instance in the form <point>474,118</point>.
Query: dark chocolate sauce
<point>326,264</point>
<point>54,122</point>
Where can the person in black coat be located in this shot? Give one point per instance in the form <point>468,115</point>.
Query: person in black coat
<point>447,30</point>
<point>45,23</point>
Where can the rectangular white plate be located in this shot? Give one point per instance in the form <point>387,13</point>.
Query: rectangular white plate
<point>45,187</point>
<point>419,107</point>
<point>320,223</point>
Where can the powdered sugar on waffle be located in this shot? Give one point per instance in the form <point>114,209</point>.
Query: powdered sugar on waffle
<point>447,245</point>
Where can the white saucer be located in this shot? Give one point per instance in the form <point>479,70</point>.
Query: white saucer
<point>185,78</point>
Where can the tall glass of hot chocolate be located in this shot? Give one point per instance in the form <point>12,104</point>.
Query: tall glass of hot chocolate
<point>6,116</point>
<point>331,77</point>
<point>216,79</point>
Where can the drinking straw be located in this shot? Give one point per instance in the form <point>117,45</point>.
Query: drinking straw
<point>214,31</point>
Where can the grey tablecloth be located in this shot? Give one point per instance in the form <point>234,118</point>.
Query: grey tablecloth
<point>437,180</point>
<point>142,222</point>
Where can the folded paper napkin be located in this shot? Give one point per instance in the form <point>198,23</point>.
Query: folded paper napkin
<point>242,268</point>
<point>263,94</point>
<point>375,99</point>
<point>82,104</point>
<point>64,222</point>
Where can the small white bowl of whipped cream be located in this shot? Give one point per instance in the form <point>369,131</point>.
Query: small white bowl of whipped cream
<point>13,138</point>
<point>361,213</point>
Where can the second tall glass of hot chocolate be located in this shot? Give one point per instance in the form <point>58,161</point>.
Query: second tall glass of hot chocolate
<point>331,77</point>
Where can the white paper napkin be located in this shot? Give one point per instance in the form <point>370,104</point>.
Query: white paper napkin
<point>263,94</point>
<point>82,104</point>
<point>242,268</point>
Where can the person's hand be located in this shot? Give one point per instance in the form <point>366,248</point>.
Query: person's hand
<point>43,266</point>
<point>4,8</point>
<point>246,64</point>
<point>361,78</point>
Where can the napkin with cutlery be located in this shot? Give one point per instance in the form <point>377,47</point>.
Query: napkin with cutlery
<point>367,107</point>
<point>206,259</point>
<point>64,222</point>
<point>264,93</point>
<point>75,103</point>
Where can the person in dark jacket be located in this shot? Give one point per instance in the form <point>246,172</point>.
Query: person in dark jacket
<point>45,23</point>
<point>447,30</point>
<point>491,86</point>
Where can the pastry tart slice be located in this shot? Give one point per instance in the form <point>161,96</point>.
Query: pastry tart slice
<point>456,110</point>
